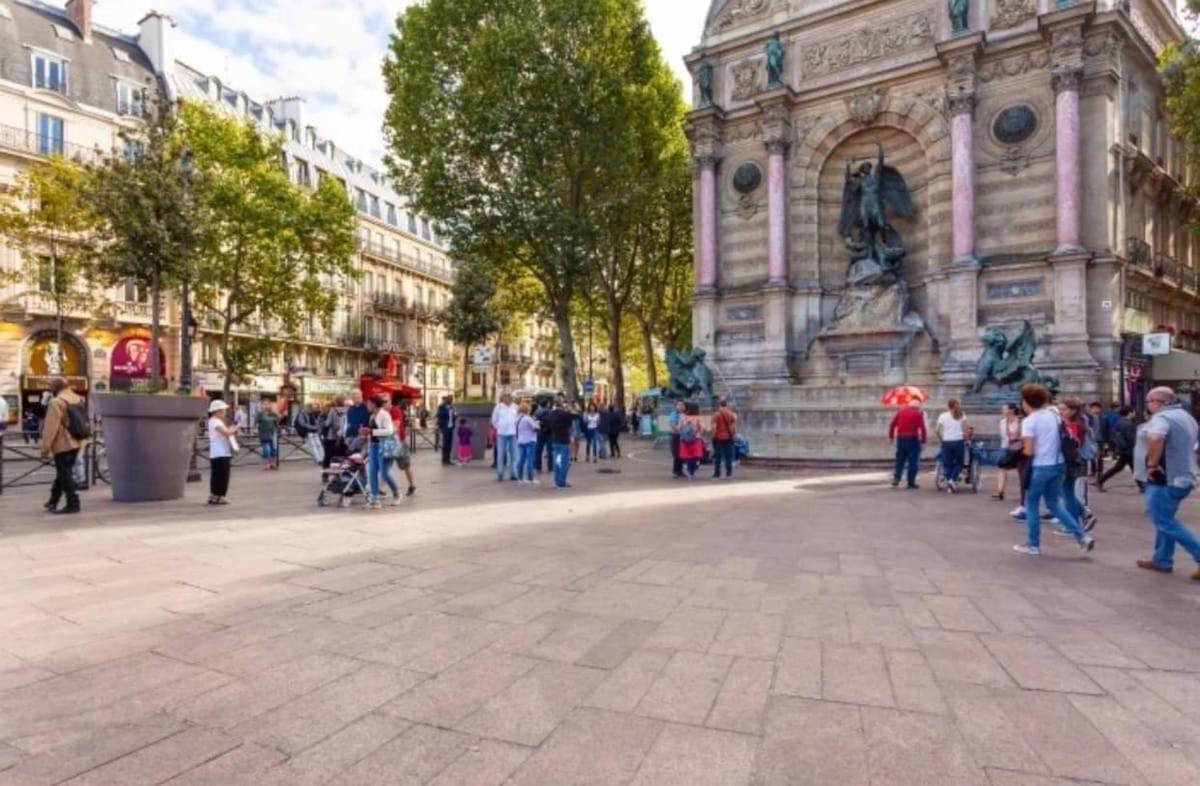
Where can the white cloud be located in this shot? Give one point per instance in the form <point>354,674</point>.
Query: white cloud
<point>329,52</point>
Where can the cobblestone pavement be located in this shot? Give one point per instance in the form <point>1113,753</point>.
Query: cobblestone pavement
<point>776,629</point>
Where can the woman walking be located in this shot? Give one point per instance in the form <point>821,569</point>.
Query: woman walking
<point>616,424</point>
<point>1075,485</point>
<point>1010,440</point>
<point>381,432</point>
<point>527,445</point>
<point>222,445</point>
<point>691,440</point>
<point>951,430</point>
<point>591,431</point>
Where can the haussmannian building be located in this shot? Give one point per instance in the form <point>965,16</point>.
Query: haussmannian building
<point>67,88</point>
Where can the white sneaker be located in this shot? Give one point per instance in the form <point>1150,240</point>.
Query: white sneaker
<point>1018,513</point>
<point>535,482</point>
<point>1032,551</point>
<point>1087,544</point>
<point>396,500</point>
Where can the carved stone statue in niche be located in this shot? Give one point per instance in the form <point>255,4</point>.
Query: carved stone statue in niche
<point>775,58</point>
<point>960,12</point>
<point>704,81</point>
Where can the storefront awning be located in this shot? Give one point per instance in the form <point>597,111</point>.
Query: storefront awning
<point>1179,366</point>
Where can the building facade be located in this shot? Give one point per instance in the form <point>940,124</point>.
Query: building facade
<point>67,88</point>
<point>1031,139</point>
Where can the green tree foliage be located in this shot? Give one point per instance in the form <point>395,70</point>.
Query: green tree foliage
<point>272,251</point>
<point>49,219</point>
<point>508,122</point>
<point>149,222</point>
<point>472,317</point>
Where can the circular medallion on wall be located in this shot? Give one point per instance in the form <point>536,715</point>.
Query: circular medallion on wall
<point>747,178</point>
<point>1015,124</point>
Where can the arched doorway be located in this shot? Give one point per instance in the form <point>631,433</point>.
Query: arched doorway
<point>42,359</point>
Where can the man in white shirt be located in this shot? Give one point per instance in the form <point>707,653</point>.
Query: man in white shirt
<point>1042,443</point>
<point>504,421</point>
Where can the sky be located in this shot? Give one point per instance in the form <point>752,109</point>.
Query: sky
<point>328,52</point>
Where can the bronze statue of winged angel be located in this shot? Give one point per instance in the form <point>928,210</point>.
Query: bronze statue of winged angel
<point>872,192</point>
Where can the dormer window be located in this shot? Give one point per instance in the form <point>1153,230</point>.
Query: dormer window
<point>49,73</point>
<point>64,32</point>
<point>131,99</point>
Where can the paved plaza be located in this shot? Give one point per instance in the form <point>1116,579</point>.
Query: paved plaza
<point>783,628</point>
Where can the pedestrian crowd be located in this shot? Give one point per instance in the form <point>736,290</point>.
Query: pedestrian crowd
<point>1057,451</point>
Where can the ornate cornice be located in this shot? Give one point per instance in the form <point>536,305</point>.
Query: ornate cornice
<point>876,42</point>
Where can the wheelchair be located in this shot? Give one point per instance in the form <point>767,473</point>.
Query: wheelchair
<point>972,471</point>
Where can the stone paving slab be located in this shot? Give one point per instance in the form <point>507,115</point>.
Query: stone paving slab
<point>780,628</point>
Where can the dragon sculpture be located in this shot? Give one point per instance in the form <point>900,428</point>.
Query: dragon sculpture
<point>1010,363</point>
<point>690,375</point>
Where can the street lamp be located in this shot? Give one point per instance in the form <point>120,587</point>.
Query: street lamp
<point>187,167</point>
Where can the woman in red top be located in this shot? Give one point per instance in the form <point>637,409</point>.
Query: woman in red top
<point>691,440</point>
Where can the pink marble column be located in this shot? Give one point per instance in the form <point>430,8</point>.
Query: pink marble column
<point>777,229</point>
<point>1067,174</point>
<point>963,177</point>
<point>707,274</point>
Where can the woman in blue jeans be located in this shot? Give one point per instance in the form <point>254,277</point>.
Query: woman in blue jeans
<point>1041,442</point>
<point>951,430</point>
<point>380,429</point>
<point>527,446</point>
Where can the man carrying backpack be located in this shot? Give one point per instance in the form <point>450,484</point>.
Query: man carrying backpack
<point>64,433</point>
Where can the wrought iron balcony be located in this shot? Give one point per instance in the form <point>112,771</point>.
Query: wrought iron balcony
<point>1139,253</point>
<point>353,340</point>
<point>386,301</point>
<point>382,251</point>
<point>33,143</point>
<point>1166,268</point>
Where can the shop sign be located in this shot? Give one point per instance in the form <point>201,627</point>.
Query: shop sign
<point>1156,344</point>
<point>131,359</point>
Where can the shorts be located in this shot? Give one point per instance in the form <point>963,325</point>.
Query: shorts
<point>403,458</point>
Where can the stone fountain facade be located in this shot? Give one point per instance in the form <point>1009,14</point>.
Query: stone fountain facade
<point>1023,142</point>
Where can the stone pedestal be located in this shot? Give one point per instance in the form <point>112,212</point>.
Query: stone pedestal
<point>872,333</point>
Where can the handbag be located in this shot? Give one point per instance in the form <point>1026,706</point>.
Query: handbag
<point>390,447</point>
<point>1011,459</point>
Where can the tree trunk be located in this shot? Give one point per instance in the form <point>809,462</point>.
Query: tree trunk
<point>566,341</point>
<point>466,375</point>
<point>227,389</point>
<point>614,354</point>
<point>648,348</point>
<point>156,371</point>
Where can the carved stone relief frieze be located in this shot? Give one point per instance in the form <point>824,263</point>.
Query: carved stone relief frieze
<point>1010,13</point>
<point>1013,66</point>
<point>747,79</point>
<point>1066,45</point>
<point>936,99</point>
<point>744,133</point>
<point>738,12</point>
<point>882,40</point>
<point>1107,47</point>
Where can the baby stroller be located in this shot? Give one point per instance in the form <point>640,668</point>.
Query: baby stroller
<point>344,480</point>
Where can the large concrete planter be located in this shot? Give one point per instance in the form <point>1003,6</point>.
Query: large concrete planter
<point>479,416</point>
<point>148,440</point>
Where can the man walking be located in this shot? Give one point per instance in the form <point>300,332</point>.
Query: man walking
<point>308,427</point>
<point>1165,460</point>
<point>357,415</point>
<point>561,422</point>
<point>504,422</point>
<point>445,424</point>
<point>909,433</point>
<point>63,435</point>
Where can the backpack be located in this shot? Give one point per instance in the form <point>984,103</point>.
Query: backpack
<point>77,422</point>
<point>687,433</point>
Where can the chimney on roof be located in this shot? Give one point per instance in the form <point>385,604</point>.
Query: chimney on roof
<point>157,42</point>
<point>80,14</point>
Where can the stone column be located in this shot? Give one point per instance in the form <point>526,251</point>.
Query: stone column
<point>777,212</point>
<point>706,275</point>
<point>1068,177</point>
<point>962,106</point>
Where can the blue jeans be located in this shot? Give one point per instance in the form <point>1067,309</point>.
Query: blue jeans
<point>1162,504</point>
<point>528,454</point>
<point>722,453</point>
<point>506,453</point>
<point>1071,499</point>
<point>908,453</point>
<point>952,459</point>
<point>1047,483</point>
<point>562,463</point>
<point>270,447</point>
<point>381,466</point>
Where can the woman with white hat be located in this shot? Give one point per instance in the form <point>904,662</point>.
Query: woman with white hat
<point>222,444</point>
